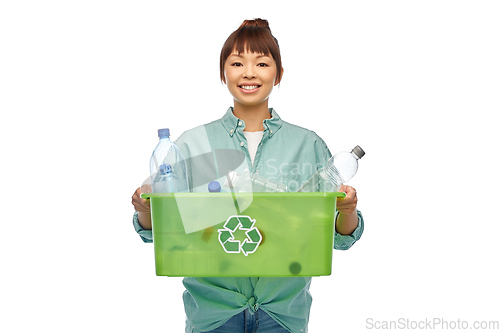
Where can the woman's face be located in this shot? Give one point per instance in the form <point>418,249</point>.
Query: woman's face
<point>250,77</point>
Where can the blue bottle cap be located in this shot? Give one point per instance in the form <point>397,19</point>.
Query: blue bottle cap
<point>163,133</point>
<point>214,186</point>
<point>165,169</point>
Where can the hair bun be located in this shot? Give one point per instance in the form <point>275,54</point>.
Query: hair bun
<point>260,23</point>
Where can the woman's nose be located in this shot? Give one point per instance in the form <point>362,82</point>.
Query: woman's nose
<point>249,72</point>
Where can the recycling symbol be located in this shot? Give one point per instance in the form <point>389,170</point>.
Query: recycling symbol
<point>245,223</point>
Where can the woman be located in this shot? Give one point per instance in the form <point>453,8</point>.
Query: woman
<point>250,66</point>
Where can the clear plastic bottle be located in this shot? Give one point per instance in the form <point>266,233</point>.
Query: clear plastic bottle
<point>239,182</point>
<point>261,184</point>
<point>167,166</point>
<point>340,169</point>
<point>213,187</point>
<point>248,182</point>
<point>163,183</point>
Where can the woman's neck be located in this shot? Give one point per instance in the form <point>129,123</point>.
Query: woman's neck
<point>253,116</point>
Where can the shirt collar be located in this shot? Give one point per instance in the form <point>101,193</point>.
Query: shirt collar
<point>231,122</point>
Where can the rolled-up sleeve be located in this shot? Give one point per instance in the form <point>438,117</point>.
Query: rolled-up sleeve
<point>344,242</point>
<point>146,235</point>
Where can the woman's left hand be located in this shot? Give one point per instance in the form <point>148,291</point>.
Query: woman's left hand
<point>347,205</point>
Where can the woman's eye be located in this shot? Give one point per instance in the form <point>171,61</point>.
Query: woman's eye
<point>237,64</point>
<point>262,64</point>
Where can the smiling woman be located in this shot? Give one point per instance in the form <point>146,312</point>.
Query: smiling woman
<point>250,65</point>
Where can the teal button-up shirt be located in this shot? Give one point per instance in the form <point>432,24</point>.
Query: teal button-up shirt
<point>288,154</point>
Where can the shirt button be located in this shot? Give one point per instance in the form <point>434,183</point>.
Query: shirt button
<point>231,131</point>
<point>271,131</point>
<point>242,143</point>
<point>240,123</point>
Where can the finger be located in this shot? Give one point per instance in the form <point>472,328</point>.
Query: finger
<point>142,201</point>
<point>137,193</point>
<point>348,198</point>
<point>146,189</point>
<point>347,204</point>
<point>350,193</point>
<point>347,201</point>
<point>142,208</point>
<point>146,203</point>
<point>350,189</point>
<point>140,205</point>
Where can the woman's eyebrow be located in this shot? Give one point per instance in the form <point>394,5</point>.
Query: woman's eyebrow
<point>240,56</point>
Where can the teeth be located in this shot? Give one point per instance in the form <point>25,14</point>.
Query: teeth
<point>249,87</point>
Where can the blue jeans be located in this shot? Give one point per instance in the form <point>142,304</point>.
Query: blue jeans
<point>245,322</point>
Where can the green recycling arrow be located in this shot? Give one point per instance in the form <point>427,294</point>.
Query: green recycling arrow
<point>225,235</point>
<point>231,245</point>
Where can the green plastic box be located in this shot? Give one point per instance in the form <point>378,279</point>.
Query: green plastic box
<point>276,234</point>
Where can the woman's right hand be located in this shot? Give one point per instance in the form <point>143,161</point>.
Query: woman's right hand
<point>141,205</point>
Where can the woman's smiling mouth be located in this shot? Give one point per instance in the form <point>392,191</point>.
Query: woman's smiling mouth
<point>249,88</point>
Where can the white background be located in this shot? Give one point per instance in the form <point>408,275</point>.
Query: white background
<point>84,85</point>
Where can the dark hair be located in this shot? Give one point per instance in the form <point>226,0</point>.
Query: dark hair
<point>252,36</point>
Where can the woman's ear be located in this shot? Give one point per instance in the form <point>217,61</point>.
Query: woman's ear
<point>281,76</point>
